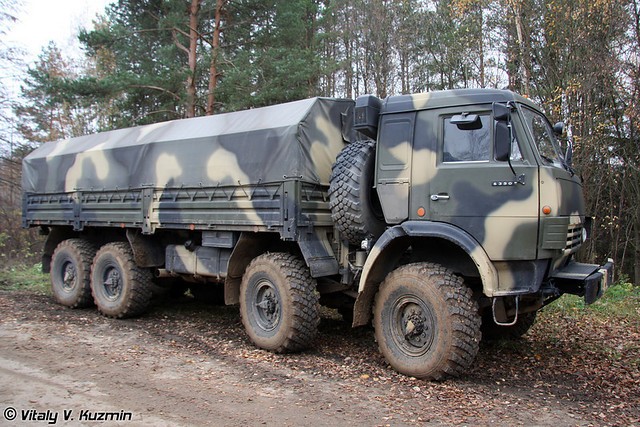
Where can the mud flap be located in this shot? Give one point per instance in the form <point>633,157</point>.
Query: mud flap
<point>318,254</point>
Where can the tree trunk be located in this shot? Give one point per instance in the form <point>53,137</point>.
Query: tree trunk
<point>215,50</point>
<point>483,82</point>
<point>524,55</point>
<point>193,58</point>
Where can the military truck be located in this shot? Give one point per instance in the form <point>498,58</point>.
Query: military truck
<point>437,217</point>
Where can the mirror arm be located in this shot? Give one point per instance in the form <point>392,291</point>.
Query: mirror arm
<point>510,147</point>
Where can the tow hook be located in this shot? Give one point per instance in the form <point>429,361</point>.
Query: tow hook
<point>493,311</point>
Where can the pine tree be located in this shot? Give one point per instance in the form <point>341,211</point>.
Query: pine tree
<point>46,112</point>
<point>271,52</point>
<point>141,46</point>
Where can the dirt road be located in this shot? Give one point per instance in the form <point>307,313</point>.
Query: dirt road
<point>191,364</point>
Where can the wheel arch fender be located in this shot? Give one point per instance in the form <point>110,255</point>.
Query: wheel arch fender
<point>249,246</point>
<point>389,248</point>
<point>54,237</point>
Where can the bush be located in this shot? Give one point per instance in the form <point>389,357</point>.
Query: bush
<point>22,277</point>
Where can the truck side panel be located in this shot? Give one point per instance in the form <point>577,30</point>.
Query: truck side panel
<point>280,207</point>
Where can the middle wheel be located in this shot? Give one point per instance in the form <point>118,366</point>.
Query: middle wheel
<point>279,303</point>
<point>120,288</point>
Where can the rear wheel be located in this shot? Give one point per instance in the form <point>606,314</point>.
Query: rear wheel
<point>71,272</point>
<point>279,303</point>
<point>120,288</point>
<point>426,322</point>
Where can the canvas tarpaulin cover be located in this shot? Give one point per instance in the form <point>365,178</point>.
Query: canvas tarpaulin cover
<point>297,140</point>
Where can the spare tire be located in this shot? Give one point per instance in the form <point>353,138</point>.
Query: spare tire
<point>355,206</point>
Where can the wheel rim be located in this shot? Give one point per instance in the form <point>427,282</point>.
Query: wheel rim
<point>69,276</point>
<point>412,325</point>
<point>112,282</point>
<point>267,305</point>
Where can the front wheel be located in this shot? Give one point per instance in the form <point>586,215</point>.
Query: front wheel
<point>120,288</point>
<point>426,322</point>
<point>279,303</point>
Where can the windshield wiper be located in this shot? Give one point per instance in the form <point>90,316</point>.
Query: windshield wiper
<point>548,159</point>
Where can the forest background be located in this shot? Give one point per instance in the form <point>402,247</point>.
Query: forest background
<point>146,61</point>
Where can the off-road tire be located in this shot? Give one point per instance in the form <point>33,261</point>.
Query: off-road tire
<point>426,322</point>
<point>120,288</point>
<point>71,273</point>
<point>279,303</point>
<point>492,332</point>
<point>355,206</point>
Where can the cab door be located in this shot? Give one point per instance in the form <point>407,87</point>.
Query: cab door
<point>472,190</point>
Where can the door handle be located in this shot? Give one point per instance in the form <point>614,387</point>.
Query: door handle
<point>436,197</point>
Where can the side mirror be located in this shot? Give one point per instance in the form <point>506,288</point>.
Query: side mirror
<point>558,128</point>
<point>568,157</point>
<point>502,141</point>
<point>501,112</point>
<point>502,137</point>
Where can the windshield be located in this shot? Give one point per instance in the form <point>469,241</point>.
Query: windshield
<point>543,138</point>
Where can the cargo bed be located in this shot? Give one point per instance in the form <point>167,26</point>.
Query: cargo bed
<point>266,169</point>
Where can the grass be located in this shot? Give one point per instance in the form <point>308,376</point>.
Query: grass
<point>622,300</point>
<point>20,277</point>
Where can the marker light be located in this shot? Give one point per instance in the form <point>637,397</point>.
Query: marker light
<point>546,210</point>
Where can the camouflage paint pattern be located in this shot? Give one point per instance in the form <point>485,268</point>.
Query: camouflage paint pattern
<point>500,212</point>
<point>298,139</point>
<point>238,170</point>
<point>268,170</point>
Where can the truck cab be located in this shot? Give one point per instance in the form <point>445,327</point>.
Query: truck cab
<point>475,182</point>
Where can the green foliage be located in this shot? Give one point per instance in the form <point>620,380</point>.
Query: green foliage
<point>48,112</point>
<point>278,61</point>
<point>139,71</point>
<point>22,277</point>
<point>622,300</point>
<point>16,244</point>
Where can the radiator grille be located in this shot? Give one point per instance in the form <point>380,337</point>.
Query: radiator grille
<point>574,238</point>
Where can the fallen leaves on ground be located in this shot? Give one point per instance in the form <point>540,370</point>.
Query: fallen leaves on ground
<point>579,370</point>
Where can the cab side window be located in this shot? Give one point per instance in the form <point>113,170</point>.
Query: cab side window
<point>467,143</point>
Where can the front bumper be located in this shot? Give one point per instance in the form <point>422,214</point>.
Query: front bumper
<point>588,280</point>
